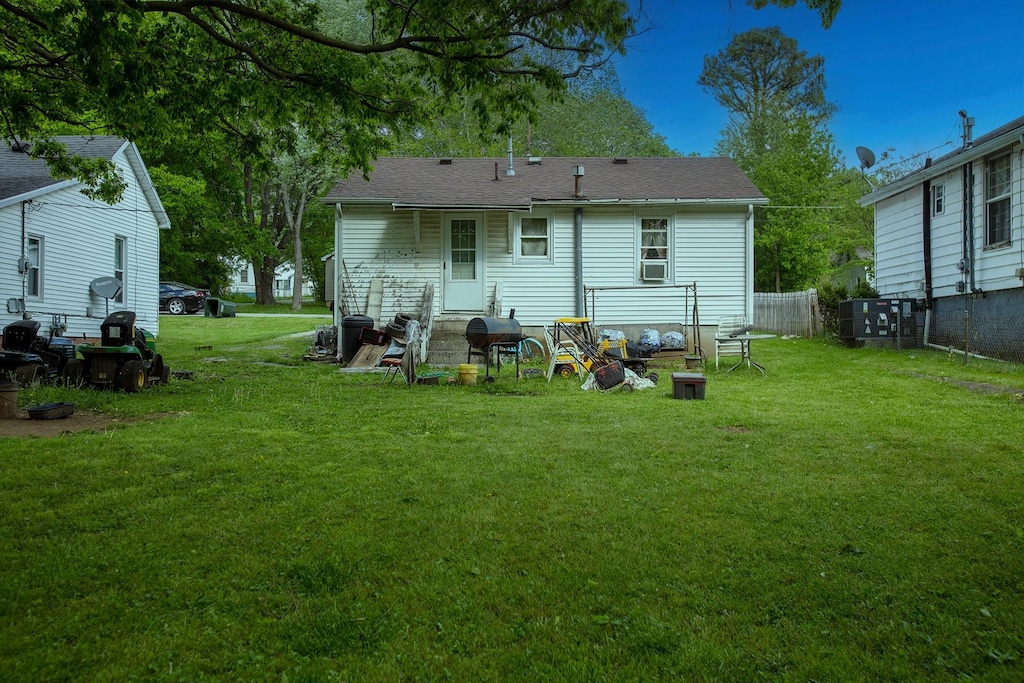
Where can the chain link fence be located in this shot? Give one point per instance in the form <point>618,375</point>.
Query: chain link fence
<point>973,335</point>
<point>987,336</point>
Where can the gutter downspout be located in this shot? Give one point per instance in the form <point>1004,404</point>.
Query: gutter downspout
<point>926,239</point>
<point>338,220</point>
<point>577,230</point>
<point>969,207</point>
<point>24,260</point>
<point>748,293</point>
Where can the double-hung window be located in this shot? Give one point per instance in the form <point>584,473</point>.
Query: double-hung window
<point>654,249</point>
<point>997,201</point>
<point>535,237</point>
<point>938,199</point>
<point>34,267</point>
<point>120,261</point>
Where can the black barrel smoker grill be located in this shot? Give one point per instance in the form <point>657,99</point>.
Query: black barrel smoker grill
<point>495,337</point>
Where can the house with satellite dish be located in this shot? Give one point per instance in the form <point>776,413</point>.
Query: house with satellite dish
<point>70,260</point>
<point>623,241</point>
<point>951,235</point>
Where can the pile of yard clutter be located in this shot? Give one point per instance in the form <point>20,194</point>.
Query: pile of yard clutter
<point>651,341</point>
<point>629,372</point>
<point>615,375</point>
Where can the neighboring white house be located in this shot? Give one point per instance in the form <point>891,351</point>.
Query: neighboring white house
<point>952,233</point>
<point>244,282</point>
<point>55,241</point>
<point>628,233</point>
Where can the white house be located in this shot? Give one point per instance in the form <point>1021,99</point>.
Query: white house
<point>56,241</point>
<point>243,281</point>
<point>615,239</point>
<point>951,234</point>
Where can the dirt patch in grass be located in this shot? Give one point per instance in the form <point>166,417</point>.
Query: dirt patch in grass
<point>978,387</point>
<point>81,420</point>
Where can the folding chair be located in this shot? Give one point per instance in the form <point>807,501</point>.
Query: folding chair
<point>559,354</point>
<point>730,325</point>
<point>394,368</point>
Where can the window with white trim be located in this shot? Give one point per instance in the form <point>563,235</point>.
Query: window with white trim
<point>120,260</point>
<point>34,267</point>
<point>997,201</point>
<point>654,248</point>
<point>938,199</point>
<point>534,237</point>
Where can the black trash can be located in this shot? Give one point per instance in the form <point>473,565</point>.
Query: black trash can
<point>351,326</point>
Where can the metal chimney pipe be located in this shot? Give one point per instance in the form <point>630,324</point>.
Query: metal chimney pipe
<point>968,124</point>
<point>510,171</point>
<point>577,173</point>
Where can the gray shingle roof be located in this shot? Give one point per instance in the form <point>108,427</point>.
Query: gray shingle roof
<point>475,182</point>
<point>20,173</point>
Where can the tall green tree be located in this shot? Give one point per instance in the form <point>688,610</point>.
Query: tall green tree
<point>794,235</point>
<point>763,72</point>
<point>777,133</point>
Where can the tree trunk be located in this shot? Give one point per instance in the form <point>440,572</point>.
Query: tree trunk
<point>778,269</point>
<point>295,223</point>
<point>264,272</point>
<point>297,281</point>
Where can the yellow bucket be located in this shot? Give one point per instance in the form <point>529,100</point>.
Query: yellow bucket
<point>467,374</point>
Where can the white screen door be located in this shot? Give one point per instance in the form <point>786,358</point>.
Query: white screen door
<point>463,263</point>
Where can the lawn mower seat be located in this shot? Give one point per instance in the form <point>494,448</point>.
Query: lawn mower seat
<point>118,329</point>
<point>20,335</point>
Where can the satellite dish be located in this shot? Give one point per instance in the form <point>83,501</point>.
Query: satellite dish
<point>106,287</point>
<point>866,156</point>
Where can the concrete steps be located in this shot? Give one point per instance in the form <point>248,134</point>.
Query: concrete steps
<point>448,345</point>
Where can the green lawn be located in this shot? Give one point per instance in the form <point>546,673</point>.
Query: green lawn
<point>853,515</point>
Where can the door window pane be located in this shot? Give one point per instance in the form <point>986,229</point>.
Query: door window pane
<point>463,249</point>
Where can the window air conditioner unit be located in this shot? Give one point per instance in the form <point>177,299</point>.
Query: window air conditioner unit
<point>654,271</point>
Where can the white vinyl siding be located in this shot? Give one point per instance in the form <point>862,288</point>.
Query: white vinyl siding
<point>78,236</point>
<point>899,256</point>
<point>946,239</point>
<point>707,246</point>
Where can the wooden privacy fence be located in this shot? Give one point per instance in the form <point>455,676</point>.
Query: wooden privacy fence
<point>795,313</point>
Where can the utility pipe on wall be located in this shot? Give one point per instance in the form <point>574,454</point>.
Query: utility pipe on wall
<point>926,240</point>
<point>577,230</point>
<point>969,205</point>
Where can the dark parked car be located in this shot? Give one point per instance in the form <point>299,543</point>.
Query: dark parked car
<point>178,299</point>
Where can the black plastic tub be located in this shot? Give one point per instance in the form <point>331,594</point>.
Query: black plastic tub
<point>51,411</point>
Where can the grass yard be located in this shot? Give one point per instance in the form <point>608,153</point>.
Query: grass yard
<point>853,515</point>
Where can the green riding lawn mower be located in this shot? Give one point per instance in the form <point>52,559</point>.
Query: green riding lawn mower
<point>125,358</point>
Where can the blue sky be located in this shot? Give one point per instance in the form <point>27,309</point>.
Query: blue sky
<point>899,70</point>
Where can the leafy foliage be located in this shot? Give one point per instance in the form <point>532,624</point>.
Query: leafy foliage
<point>777,133</point>
<point>141,67</point>
<point>593,118</point>
<point>762,72</point>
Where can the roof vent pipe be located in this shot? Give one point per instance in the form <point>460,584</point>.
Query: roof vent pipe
<point>510,171</point>
<point>577,173</point>
<point>968,124</point>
